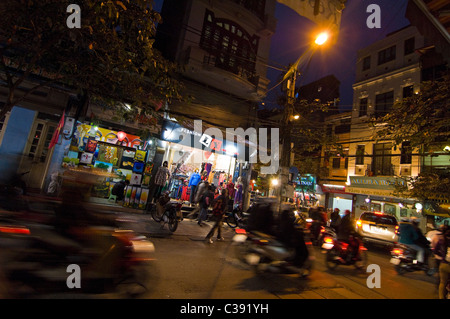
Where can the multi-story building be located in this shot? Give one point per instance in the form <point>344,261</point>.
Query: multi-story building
<point>223,50</point>
<point>386,71</point>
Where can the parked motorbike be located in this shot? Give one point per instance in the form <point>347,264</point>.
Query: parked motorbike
<point>342,253</point>
<point>117,261</point>
<point>167,212</point>
<point>236,218</point>
<point>267,254</point>
<point>404,259</point>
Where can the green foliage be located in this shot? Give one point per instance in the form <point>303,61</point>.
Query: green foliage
<point>111,56</point>
<point>423,119</point>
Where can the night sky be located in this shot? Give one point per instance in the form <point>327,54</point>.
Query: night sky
<point>293,32</point>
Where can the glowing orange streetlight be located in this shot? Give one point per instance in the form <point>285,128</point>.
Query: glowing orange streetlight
<point>322,38</point>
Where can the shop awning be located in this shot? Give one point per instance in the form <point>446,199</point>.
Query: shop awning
<point>436,209</point>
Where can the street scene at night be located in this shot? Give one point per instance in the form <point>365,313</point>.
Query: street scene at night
<point>228,157</point>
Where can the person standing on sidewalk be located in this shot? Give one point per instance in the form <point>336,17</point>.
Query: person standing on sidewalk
<point>161,177</point>
<point>204,203</point>
<point>219,205</point>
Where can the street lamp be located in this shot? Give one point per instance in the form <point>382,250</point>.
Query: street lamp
<point>290,77</point>
<point>321,38</point>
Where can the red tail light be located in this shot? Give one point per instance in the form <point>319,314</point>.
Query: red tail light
<point>240,231</point>
<point>397,251</point>
<point>14,230</point>
<point>328,240</point>
<point>322,229</point>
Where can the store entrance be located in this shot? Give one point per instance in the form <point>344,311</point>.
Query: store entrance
<point>189,166</point>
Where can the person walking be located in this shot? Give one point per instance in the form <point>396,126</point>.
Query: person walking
<point>219,205</point>
<point>442,252</point>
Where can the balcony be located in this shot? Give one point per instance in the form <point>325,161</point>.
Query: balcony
<point>221,73</point>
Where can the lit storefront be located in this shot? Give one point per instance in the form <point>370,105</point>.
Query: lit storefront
<point>337,196</point>
<point>124,156</point>
<point>305,190</point>
<point>190,152</point>
<point>376,194</point>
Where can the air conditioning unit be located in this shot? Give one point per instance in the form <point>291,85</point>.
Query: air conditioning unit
<point>360,170</point>
<point>405,170</point>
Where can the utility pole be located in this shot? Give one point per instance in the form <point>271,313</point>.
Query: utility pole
<point>286,127</point>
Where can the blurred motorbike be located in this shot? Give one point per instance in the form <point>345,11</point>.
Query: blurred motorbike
<point>326,231</point>
<point>342,253</point>
<point>265,253</point>
<point>404,259</point>
<point>115,261</point>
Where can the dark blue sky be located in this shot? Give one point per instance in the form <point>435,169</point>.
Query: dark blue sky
<point>292,32</point>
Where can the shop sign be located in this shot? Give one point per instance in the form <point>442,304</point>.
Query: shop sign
<point>329,188</point>
<point>376,182</point>
<point>175,133</point>
<point>306,183</point>
<point>84,132</point>
<point>369,191</point>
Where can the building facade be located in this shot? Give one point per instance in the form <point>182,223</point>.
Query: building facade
<point>386,72</point>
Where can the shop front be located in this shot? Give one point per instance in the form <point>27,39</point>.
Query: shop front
<point>119,155</point>
<point>377,194</point>
<point>305,190</point>
<point>337,196</point>
<point>193,156</point>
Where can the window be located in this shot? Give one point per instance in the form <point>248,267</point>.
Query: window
<point>408,91</point>
<point>409,46</point>
<point>40,140</point>
<point>336,163</point>
<point>383,103</point>
<point>366,63</point>
<point>386,55</point>
<point>230,46</point>
<point>381,162</point>
<point>363,107</point>
<point>406,153</point>
<point>360,150</point>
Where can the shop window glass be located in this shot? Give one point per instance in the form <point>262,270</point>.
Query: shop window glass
<point>389,209</point>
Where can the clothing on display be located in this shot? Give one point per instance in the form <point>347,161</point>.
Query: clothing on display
<point>238,195</point>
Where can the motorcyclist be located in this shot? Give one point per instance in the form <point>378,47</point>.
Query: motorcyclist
<point>261,217</point>
<point>408,236</point>
<point>318,216</point>
<point>293,237</point>
<point>422,241</point>
<point>335,219</point>
<point>348,234</point>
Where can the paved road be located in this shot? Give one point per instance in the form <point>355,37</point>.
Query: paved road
<point>188,268</point>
